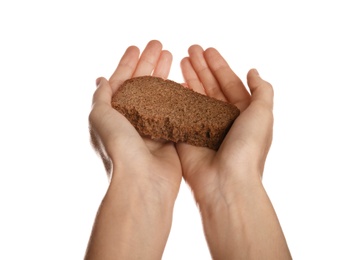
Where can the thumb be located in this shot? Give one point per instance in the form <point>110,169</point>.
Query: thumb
<point>103,92</point>
<point>260,89</point>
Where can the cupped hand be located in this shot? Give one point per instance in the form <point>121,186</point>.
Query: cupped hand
<point>241,157</point>
<point>124,152</point>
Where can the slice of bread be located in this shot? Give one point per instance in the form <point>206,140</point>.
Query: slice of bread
<point>164,109</point>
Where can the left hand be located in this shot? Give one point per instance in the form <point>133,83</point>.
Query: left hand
<point>124,152</point>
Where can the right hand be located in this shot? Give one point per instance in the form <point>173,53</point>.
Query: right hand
<point>241,157</point>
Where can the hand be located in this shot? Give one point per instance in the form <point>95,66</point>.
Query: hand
<point>244,149</point>
<point>238,218</point>
<point>122,149</point>
<point>135,216</point>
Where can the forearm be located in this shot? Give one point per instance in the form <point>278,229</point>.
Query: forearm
<point>242,224</point>
<point>132,223</point>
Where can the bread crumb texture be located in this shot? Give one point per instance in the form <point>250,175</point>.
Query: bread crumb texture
<point>164,109</point>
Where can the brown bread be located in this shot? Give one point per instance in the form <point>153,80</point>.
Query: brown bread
<point>164,109</point>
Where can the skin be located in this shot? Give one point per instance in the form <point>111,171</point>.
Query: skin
<point>238,218</point>
<point>134,219</point>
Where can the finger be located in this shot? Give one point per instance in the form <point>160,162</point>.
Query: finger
<point>108,125</point>
<point>125,68</point>
<point>103,92</point>
<point>162,68</point>
<point>255,123</point>
<point>261,90</point>
<point>148,59</point>
<point>190,76</point>
<point>231,85</point>
<point>205,75</point>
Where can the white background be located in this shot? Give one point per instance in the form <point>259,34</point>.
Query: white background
<point>51,52</point>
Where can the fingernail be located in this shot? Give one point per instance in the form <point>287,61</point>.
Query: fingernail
<point>98,80</point>
<point>256,72</point>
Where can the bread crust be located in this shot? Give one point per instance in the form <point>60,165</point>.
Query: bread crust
<point>164,109</point>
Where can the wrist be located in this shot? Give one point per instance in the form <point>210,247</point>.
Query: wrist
<point>130,217</point>
<point>229,185</point>
<point>241,224</point>
<point>139,185</point>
